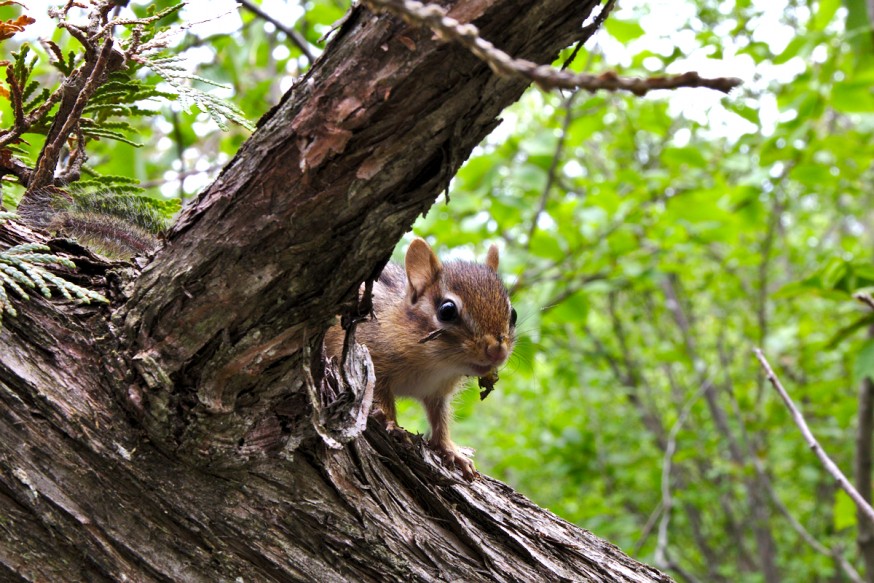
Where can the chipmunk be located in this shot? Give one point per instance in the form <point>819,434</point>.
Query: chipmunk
<point>434,324</point>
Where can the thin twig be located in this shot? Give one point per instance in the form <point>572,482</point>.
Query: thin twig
<point>545,76</point>
<point>593,27</point>
<point>835,554</point>
<point>568,106</point>
<point>647,529</point>
<point>764,285</point>
<point>764,479</point>
<point>587,32</point>
<point>661,552</point>
<point>865,299</point>
<point>48,158</point>
<point>830,466</point>
<point>295,37</point>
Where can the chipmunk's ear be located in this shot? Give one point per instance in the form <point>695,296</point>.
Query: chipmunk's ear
<point>492,258</point>
<point>423,268</point>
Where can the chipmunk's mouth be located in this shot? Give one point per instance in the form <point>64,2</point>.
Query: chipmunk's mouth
<point>480,370</point>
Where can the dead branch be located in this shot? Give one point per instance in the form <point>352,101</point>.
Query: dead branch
<point>546,77</point>
<point>830,466</point>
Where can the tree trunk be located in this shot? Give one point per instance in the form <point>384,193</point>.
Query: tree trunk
<point>194,430</point>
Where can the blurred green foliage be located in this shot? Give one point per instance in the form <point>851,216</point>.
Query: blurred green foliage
<point>674,238</point>
<point>650,244</point>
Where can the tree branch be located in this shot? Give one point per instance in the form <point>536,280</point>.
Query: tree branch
<point>861,504</point>
<point>293,35</point>
<point>568,107</point>
<point>446,27</point>
<point>662,559</point>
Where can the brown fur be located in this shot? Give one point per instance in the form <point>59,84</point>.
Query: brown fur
<point>415,354</point>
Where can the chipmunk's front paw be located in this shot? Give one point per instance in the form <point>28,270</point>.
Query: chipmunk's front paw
<point>398,432</point>
<point>392,427</point>
<point>452,459</point>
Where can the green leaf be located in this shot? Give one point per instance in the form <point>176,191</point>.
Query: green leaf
<point>853,97</point>
<point>833,272</point>
<point>859,27</point>
<point>545,245</point>
<point>824,14</point>
<point>688,156</point>
<point>844,511</point>
<point>812,175</point>
<point>623,30</point>
<point>751,114</point>
<point>799,46</point>
<point>574,308</point>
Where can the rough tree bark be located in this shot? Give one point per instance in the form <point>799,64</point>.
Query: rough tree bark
<point>193,431</point>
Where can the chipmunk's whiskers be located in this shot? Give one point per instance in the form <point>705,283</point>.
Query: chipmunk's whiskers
<point>435,334</point>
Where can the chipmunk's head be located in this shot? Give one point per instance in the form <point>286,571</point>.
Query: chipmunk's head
<point>462,309</point>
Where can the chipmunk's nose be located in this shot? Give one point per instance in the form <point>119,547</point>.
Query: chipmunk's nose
<point>496,352</point>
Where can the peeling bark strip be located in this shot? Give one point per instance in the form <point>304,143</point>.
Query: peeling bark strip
<point>196,433</point>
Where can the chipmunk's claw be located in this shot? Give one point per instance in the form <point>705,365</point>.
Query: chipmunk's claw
<point>453,459</point>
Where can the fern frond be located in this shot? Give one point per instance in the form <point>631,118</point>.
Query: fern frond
<point>45,259</point>
<point>17,276</point>
<point>106,213</point>
<point>29,89</point>
<point>112,97</point>
<point>110,135</point>
<point>173,71</point>
<point>20,65</point>
<point>35,275</point>
<point>24,266</point>
<point>40,98</point>
<point>108,235</point>
<point>105,181</point>
<point>118,109</point>
<point>5,304</point>
<point>110,125</point>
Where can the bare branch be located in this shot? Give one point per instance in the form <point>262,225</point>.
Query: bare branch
<point>553,166</point>
<point>590,29</point>
<point>294,36</point>
<point>661,558</point>
<point>830,466</point>
<point>63,125</point>
<point>808,538</point>
<point>865,299</point>
<point>546,77</point>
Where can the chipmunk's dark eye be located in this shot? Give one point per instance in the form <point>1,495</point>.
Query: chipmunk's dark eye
<point>447,311</point>
<point>512,317</point>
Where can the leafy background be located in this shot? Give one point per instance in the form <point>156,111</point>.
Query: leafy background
<point>650,244</point>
